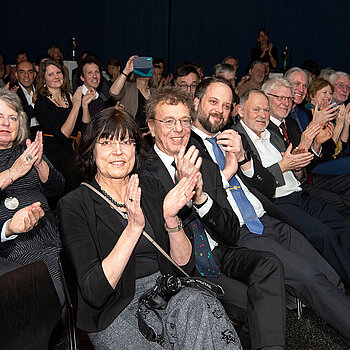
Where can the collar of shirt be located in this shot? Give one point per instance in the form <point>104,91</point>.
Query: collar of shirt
<point>29,97</point>
<point>277,123</point>
<point>167,160</point>
<point>85,90</point>
<point>265,135</point>
<point>203,136</point>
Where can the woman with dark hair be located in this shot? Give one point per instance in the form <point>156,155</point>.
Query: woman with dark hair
<point>105,223</point>
<point>26,178</point>
<point>266,52</point>
<point>58,115</point>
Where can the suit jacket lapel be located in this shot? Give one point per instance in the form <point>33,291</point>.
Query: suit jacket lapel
<point>276,138</point>
<point>238,127</point>
<point>160,172</point>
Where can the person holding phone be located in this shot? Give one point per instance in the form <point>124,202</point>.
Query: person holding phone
<point>132,95</point>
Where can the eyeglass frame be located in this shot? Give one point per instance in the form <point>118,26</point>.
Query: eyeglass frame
<point>342,86</point>
<point>282,98</point>
<point>122,144</point>
<point>174,122</point>
<point>185,86</point>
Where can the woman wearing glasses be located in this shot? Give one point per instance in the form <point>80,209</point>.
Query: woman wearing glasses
<point>114,264</point>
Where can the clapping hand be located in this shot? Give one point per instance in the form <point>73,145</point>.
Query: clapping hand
<point>24,219</point>
<point>136,219</point>
<point>179,195</point>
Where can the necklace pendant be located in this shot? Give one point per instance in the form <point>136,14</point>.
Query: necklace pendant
<point>11,203</point>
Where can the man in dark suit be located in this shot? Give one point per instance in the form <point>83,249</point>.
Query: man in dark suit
<point>323,226</point>
<point>332,189</point>
<point>307,275</point>
<point>25,73</point>
<point>252,280</point>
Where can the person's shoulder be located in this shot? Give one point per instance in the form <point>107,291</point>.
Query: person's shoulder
<point>147,181</point>
<point>79,195</point>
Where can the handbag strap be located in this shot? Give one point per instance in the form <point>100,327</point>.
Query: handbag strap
<point>145,234</point>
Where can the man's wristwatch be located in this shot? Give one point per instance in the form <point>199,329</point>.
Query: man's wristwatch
<point>174,229</point>
<point>247,158</point>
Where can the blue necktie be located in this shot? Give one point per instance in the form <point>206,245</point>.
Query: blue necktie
<point>205,262</point>
<point>245,207</point>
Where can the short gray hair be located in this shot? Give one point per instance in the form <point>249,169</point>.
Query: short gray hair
<point>276,83</point>
<point>244,98</point>
<point>326,73</point>
<point>222,68</point>
<point>334,76</point>
<point>12,101</point>
<point>292,70</point>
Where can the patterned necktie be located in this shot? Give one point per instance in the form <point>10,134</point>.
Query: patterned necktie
<point>285,134</point>
<point>245,207</point>
<point>205,262</point>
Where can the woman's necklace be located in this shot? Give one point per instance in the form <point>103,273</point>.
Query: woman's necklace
<point>119,205</point>
<point>57,103</point>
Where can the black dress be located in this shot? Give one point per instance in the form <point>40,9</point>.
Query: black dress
<point>59,148</point>
<point>256,53</point>
<point>43,241</point>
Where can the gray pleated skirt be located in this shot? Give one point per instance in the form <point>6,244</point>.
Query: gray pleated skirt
<point>193,320</point>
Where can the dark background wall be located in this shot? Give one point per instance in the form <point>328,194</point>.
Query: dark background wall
<point>201,30</point>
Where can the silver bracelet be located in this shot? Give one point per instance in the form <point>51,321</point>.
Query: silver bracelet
<point>10,176</point>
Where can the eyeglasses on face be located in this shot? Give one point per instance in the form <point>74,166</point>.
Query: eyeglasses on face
<point>343,86</point>
<point>109,145</point>
<point>283,98</point>
<point>184,86</point>
<point>170,123</point>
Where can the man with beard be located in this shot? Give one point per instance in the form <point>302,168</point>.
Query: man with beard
<point>257,76</point>
<point>332,189</point>
<point>263,225</point>
<point>252,280</point>
<point>322,225</point>
<point>341,83</point>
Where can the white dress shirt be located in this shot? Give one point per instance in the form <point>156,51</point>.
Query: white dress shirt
<point>270,155</point>
<point>258,207</point>
<point>168,162</point>
<point>29,98</point>
<point>3,236</point>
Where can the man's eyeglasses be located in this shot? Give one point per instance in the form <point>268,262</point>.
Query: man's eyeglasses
<point>342,86</point>
<point>109,145</point>
<point>283,98</point>
<point>170,123</point>
<point>186,87</point>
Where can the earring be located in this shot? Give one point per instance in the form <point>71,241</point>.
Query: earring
<point>44,85</point>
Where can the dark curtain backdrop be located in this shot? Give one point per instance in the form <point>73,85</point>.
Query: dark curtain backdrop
<point>200,30</point>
